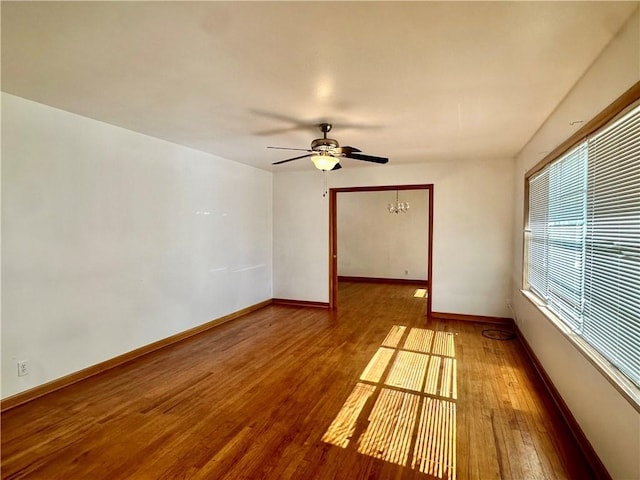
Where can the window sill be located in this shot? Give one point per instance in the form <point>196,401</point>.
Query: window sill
<point>621,383</point>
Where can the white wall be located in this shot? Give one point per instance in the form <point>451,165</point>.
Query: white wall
<point>473,220</point>
<point>609,421</point>
<point>374,243</point>
<point>113,240</point>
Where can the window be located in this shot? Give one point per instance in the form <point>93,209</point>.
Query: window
<point>583,241</point>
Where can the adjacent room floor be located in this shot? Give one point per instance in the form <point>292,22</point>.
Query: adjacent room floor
<point>373,390</point>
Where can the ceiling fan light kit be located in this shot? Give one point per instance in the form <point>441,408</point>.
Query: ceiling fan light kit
<point>324,161</point>
<point>326,152</point>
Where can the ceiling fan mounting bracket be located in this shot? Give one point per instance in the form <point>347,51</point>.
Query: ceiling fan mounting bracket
<point>325,128</point>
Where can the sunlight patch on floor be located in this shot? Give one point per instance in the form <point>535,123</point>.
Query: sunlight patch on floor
<point>443,344</point>
<point>408,371</point>
<point>344,425</point>
<point>377,365</point>
<point>394,336</point>
<point>391,421</point>
<point>420,293</point>
<point>419,340</point>
<point>435,449</point>
<point>403,408</point>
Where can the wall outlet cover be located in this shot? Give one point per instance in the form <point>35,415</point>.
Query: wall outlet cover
<point>23,368</point>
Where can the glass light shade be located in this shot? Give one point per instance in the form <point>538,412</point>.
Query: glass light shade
<point>324,162</point>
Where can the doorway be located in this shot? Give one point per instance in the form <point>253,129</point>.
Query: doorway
<point>333,235</point>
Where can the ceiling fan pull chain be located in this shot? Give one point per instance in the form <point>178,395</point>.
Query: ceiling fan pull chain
<point>324,192</point>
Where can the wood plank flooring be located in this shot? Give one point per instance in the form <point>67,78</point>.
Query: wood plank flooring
<point>373,390</point>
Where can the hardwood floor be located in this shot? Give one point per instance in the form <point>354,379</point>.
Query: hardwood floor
<point>374,390</point>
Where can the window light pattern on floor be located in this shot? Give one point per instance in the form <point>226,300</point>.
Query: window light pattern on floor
<point>403,408</point>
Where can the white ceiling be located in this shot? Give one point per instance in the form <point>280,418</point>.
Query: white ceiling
<point>415,81</point>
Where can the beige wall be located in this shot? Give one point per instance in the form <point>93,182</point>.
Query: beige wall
<point>473,215</point>
<point>609,421</point>
<point>112,240</point>
<point>374,243</point>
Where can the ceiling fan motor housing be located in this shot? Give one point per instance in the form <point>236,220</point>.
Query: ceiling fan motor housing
<point>324,144</point>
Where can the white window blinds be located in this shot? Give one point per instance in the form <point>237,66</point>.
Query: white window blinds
<point>612,268</point>
<point>538,233</point>
<point>583,241</point>
<point>567,188</point>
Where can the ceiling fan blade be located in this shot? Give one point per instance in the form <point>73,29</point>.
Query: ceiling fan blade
<point>346,150</point>
<point>291,159</point>
<point>278,131</point>
<point>367,158</point>
<point>282,117</point>
<point>295,124</point>
<point>357,126</point>
<point>287,148</point>
<point>337,167</point>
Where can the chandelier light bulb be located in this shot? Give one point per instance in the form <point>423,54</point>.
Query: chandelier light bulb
<point>398,207</point>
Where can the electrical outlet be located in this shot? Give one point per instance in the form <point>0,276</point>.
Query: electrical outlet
<point>23,368</point>
<point>406,272</point>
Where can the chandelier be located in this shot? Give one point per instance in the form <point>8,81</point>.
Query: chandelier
<point>398,207</point>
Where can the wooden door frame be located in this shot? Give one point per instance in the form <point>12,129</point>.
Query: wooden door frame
<point>333,236</point>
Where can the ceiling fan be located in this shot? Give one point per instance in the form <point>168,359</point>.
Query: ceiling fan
<point>326,152</point>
